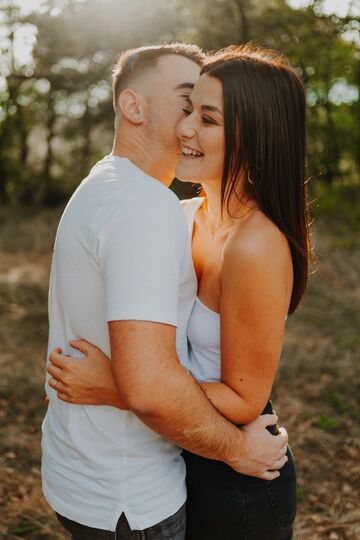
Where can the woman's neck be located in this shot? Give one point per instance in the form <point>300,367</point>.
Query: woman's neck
<point>216,217</point>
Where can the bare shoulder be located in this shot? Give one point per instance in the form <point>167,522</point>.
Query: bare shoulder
<point>258,241</point>
<point>257,271</point>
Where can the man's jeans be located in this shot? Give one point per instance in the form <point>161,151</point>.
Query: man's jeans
<point>172,528</point>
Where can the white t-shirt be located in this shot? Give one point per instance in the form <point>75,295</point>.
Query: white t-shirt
<point>122,252</point>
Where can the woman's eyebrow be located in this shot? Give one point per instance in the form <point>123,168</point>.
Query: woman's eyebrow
<point>211,108</point>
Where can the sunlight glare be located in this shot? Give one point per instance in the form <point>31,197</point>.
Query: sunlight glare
<point>336,7</point>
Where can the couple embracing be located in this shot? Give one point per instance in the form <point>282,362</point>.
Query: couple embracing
<point>167,321</point>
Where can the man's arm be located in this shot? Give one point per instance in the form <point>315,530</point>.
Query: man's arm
<point>156,387</point>
<point>140,243</point>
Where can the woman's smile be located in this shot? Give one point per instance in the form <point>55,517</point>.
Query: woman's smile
<point>188,152</point>
<point>201,133</point>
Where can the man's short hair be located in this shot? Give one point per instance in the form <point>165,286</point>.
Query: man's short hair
<point>133,62</point>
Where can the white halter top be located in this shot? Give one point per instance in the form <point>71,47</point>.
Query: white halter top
<point>203,328</point>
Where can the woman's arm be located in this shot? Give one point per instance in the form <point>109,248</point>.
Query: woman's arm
<point>86,381</point>
<point>254,302</point>
<point>256,284</point>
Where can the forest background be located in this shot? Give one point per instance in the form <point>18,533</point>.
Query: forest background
<point>56,121</point>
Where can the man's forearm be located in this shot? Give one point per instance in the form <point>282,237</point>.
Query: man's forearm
<point>180,411</point>
<point>154,385</point>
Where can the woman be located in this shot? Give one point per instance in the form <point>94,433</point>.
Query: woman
<point>243,138</point>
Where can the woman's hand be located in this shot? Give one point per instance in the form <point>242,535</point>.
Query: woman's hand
<point>85,381</point>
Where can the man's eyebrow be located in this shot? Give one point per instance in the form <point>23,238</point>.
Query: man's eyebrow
<point>185,85</point>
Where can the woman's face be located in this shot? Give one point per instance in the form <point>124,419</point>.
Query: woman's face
<point>202,134</point>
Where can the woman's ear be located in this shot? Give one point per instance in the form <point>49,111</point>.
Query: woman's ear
<point>131,105</point>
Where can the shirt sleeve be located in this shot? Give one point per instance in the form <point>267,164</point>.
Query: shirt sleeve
<point>140,247</point>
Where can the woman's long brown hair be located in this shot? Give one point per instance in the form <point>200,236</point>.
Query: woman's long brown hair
<point>264,117</point>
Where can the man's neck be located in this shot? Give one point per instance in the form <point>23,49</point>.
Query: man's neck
<point>141,155</point>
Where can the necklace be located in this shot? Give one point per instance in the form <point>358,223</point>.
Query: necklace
<point>213,230</point>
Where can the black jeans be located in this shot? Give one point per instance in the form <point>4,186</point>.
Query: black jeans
<point>225,505</point>
<point>171,528</point>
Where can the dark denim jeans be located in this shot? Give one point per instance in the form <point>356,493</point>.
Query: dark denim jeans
<point>171,528</point>
<point>225,505</point>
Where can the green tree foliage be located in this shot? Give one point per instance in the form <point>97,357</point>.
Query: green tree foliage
<point>325,50</point>
<point>56,115</point>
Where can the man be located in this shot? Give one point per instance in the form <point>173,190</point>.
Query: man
<point>122,277</point>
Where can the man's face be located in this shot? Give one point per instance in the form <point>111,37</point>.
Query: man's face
<point>173,81</point>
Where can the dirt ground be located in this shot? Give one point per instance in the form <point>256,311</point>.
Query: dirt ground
<point>317,391</point>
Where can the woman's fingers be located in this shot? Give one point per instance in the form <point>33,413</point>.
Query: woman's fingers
<point>86,348</point>
<point>61,390</point>
<point>55,354</point>
<point>83,346</point>
<point>56,384</point>
<point>64,397</point>
<point>55,372</point>
<point>58,359</point>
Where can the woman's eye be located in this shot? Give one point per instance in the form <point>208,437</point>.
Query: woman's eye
<point>187,112</point>
<point>208,120</point>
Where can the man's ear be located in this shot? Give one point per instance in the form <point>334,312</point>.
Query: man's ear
<point>131,105</point>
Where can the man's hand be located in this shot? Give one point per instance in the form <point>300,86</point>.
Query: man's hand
<point>265,453</point>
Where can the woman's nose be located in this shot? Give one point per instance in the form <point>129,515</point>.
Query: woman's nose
<point>186,128</point>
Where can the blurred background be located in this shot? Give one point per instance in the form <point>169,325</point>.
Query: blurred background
<point>56,121</point>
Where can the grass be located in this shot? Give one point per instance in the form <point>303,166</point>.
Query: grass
<point>316,394</point>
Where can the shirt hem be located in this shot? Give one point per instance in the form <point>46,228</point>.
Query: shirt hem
<point>128,312</point>
<point>109,524</point>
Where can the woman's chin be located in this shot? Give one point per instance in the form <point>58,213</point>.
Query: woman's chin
<point>185,176</point>
<point>183,179</point>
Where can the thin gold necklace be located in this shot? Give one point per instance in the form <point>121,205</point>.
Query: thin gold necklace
<point>213,231</point>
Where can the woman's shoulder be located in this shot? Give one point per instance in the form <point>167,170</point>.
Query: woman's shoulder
<point>258,239</point>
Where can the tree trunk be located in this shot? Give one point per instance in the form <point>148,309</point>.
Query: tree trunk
<point>24,151</point>
<point>245,30</point>
<point>86,123</point>
<point>332,147</point>
<point>46,188</point>
<point>3,183</point>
